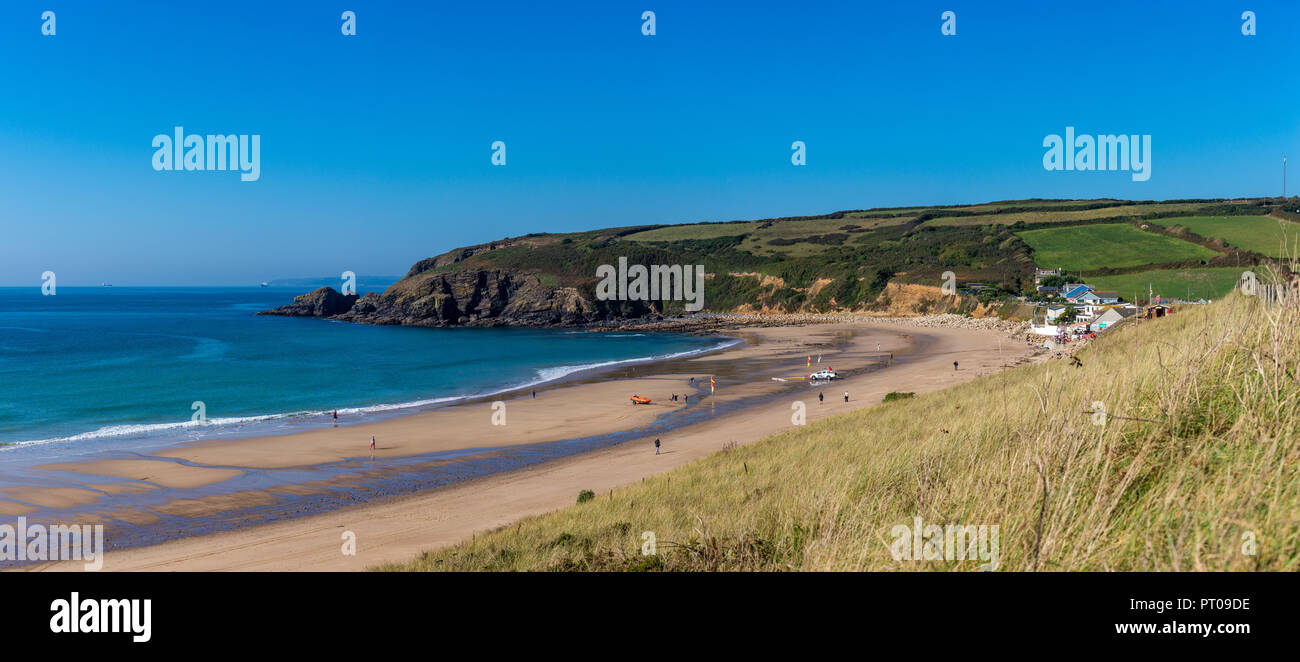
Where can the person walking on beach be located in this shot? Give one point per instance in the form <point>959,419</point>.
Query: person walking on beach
<point>656,446</point>
<point>372,442</point>
<point>846,396</point>
<point>336,418</point>
<point>534,395</point>
<point>821,397</point>
<point>954,365</point>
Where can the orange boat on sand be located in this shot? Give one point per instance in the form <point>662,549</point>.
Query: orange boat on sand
<point>638,400</point>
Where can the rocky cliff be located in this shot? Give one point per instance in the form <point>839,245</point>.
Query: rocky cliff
<point>323,302</point>
<point>520,281</point>
<point>479,297</point>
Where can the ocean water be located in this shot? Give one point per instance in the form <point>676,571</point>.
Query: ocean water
<point>95,368</point>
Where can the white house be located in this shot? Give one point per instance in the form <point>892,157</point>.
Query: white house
<point>1111,315</point>
<point>1093,308</point>
<point>1086,297</point>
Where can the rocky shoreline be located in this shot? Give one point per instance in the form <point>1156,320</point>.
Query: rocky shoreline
<point>330,304</point>
<point>383,309</point>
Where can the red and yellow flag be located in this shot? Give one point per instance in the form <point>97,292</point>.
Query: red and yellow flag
<point>713,385</point>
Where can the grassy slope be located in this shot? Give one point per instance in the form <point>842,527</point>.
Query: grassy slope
<point>1065,214</point>
<point>1085,247</point>
<point>1206,451</point>
<point>694,231</point>
<point>1264,235</point>
<point>1209,283</point>
<point>843,260</point>
<point>759,234</point>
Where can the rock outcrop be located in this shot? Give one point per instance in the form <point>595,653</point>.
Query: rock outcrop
<point>483,297</point>
<point>324,302</point>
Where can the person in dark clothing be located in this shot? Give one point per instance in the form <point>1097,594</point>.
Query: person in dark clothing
<point>656,446</point>
<point>954,365</point>
<point>336,418</point>
<point>821,397</point>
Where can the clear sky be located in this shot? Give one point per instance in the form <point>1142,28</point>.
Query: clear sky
<point>375,148</point>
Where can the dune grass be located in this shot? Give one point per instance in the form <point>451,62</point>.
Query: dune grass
<point>1197,458</point>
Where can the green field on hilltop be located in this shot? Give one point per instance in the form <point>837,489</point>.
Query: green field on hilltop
<point>794,237</point>
<point>694,231</point>
<point>803,237</point>
<point>1066,214</point>
<point>1086,247</point>
<point>1209,283</point>
<point>1264,235</point>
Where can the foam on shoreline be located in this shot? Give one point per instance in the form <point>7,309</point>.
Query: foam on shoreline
<point>236,424</point>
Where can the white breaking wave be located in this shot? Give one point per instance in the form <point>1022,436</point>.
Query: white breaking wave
<point>143,428</point>
<point>544,375</point>
<point>551,374</point>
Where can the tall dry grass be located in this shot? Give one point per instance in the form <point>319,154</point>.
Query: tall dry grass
<point>1198,456</point>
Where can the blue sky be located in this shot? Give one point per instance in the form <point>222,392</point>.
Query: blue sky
<point>375,148</point>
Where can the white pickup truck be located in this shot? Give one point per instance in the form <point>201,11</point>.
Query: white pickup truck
<point>822,375</point>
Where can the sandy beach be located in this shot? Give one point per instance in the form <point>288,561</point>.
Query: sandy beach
<point>758,384</point>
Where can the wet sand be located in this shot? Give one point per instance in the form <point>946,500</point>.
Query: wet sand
<point>496,474</point>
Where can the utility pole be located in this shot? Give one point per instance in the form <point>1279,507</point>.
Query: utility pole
<point>1284,177</point>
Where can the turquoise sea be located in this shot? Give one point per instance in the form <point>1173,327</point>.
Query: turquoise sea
<point>99,368</point>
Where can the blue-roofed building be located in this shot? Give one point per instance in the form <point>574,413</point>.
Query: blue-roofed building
<point>1074,291</point>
